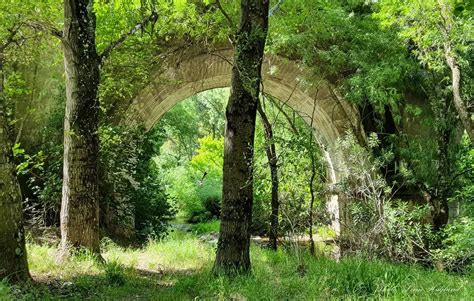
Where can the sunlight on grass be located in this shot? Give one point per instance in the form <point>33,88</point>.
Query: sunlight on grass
<point>178,252</point>
<point>42,261</point>
<point>179,268</point>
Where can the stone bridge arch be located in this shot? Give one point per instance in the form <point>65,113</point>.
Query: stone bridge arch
<point>186,74</point>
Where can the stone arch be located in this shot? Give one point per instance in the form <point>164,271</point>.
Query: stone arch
<point>186,74</point>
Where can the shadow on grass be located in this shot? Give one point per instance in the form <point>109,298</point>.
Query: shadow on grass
<point>133,284</point>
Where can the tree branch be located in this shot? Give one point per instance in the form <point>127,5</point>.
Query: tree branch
<point>45,27</point>
<point>11,37</point>
<point>107,51</point>
<point>280,108</point>
<point>219,6</point>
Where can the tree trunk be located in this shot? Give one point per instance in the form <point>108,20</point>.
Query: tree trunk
<point>446,28</point>
<point>236,215</point>
<point>460,106</point>
<point>13,260</point>
<point>440,203</point>
<point>80,200</point>
<point>270,149</point>
<point>312,248</point>
<point>440,213</point>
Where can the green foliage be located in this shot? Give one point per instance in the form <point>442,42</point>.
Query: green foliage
<point>197,186</point>
<point>114,273</point>
<point>294,142</point>
<point>4,290</point>
<point>40,167</point>
<point>342,42</point>
<point>206,227</point>
<point>463,181</point>
<point>400,230</point>
<point>129,183</point>
<point>367,50</point>
<point>424,24</point>
<point>457,252</point>
<point>194,19</point>
<point>190,160</point>
<point>131,194</point>
<point>380,224</point>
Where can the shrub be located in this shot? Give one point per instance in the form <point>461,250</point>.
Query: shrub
<point>457,252</point>
<point>380,225</point>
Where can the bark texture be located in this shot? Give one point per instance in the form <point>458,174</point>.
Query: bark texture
<point>270,149</point>
<point>236,215</point>
<point>13,260</point>
<point>80,200</point>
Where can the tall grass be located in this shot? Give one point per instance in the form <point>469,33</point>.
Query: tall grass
<point>179,268</point>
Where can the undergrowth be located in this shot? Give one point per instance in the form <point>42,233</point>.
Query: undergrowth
<point>179,268</point>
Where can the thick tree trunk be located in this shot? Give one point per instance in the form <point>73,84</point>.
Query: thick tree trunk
<point>270,149</point>
<point>236,215</point>
<point>80,200</point>
<point>13,261</point>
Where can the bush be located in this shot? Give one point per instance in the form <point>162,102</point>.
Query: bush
<point>457,252</point>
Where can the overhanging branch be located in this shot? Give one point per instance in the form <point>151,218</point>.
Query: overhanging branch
<point>107,51</point>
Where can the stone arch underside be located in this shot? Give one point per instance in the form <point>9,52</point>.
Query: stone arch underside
<point>186,75</point>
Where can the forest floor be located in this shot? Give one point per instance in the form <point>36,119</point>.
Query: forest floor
<point>179,268</point>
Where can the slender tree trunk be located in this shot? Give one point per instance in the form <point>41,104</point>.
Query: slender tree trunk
<point>270,149</point>
<point>450,56</point>
<point>311,183</point>
<point>13,260</point>
<point>80,200</point>
<point>236,215</point>
<point>440,204</point>
<point>460,106</point>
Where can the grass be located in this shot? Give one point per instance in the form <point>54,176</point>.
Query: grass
<point>206,227</point>
<point>179,268</point>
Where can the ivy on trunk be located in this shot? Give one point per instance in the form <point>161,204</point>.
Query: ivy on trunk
<point>236,215</point>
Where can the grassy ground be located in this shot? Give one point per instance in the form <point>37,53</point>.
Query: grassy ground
<point>179,268</point>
